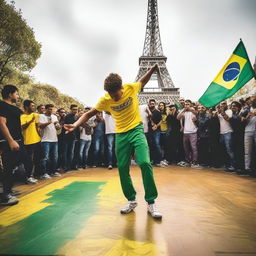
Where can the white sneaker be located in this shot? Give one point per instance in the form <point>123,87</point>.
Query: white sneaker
<point>56,174</point>
<point>31,180</point>
<point>129,207</point>
<point>45,177</point>
<point>164,162</point>
<point>231,168</point>
<point>110,167</point>
<point>196,166</point>
<point>160,165</point>
<point>9,200</point>
<point>154,212</point>
<point>183,164</point>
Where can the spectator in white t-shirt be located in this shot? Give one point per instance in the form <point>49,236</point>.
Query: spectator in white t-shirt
<point>110,125</point>
<point>250,138</point>
<point>145,114</point>
<point>48,124</point>
<point>224,114</point>
<point>188,115</point>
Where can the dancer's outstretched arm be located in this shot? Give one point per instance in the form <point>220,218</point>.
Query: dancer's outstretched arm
<point>83,119</point>
<point>147,76</point>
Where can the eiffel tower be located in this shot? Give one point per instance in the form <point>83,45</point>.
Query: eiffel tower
<point>160,86</point>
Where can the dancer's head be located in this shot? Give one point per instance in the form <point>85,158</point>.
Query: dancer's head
<point>113,85</point>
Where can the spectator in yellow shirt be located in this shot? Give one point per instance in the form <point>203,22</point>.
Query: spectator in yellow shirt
<point>32,140</point>
<point>163,132</point>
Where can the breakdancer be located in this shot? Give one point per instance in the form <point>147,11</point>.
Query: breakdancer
<point>123,104</point>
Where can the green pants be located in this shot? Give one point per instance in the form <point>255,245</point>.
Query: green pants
<point>126,144</point>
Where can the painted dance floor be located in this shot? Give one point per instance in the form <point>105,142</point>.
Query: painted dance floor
<point>205,212</point>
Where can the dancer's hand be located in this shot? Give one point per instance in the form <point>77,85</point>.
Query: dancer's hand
<point>69,128</point>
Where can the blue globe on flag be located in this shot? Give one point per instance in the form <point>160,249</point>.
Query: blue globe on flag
<point>231,72</point>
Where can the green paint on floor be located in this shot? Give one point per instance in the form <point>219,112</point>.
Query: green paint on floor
<point>44,232</point>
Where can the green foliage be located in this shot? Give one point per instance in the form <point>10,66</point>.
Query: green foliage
<point>19,52</point>
<point>39,93</point>
<point>46,94</point>
<point>18,48</point>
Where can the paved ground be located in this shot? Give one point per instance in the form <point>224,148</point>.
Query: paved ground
<point>205,212</point>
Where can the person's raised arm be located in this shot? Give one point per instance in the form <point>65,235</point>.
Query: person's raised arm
<point>83,119</point>
<point>181,114</point>
<point>144,79</point>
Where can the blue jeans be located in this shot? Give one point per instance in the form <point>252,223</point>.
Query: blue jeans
<point>110,146</point>
<point>49,155</point>
<point>68,153</point>
<point>249,140</point>
<point>157,146</point>
<point>163,144</point>
<point>83,151</point>
<point>98,153</point>
<point>226,140</point>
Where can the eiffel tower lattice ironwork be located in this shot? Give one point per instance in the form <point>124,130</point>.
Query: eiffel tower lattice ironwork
<point>163,88</point>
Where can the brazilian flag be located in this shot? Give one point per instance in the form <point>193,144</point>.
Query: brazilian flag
<point>232,77</point>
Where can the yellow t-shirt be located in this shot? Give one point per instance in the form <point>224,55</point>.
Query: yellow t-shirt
<point>30,134</point>
<point>164,126</point>
<point>125,111</point>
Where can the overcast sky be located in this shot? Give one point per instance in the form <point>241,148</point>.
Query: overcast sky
<point>83,41</point>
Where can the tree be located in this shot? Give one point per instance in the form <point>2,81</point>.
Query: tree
<point>19,49</point>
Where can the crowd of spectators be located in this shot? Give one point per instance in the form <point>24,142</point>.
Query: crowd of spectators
<point>34,144</point>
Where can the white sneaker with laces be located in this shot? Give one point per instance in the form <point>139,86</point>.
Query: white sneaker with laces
<point>181,163</point>
<point>196,166</point>
<point>154,212</point>
<point>45,177</point>
<point>160,165</point>
<point>129,207</point>
<point>31,180</point>
<point>184,164</point>
<point>56,174</point>
<point>9,200</point>
<point>165,162</point>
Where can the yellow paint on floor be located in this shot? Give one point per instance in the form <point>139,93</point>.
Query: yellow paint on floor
<point>111,193</point>
<point>108,233</point>
<point>33,202</point>
<point>125,247</point>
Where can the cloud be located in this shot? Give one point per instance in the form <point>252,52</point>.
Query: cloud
<point>85,40</point>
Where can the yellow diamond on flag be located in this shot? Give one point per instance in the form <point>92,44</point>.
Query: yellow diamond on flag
<point>229,74</point>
